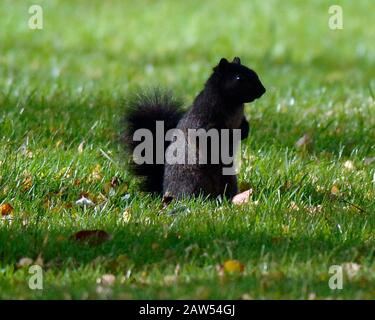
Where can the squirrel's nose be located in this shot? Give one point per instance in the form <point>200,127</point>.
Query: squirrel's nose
<point>263,90</point>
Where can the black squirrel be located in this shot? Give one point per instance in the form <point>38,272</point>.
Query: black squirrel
<point>220,105</point>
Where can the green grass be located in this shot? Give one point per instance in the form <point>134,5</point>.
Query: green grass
<point>66,84</point>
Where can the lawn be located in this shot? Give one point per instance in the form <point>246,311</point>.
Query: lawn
<point>63,90</point>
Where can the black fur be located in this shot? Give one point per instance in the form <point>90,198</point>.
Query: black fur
<point>219,105</point>
<point>142,111</point>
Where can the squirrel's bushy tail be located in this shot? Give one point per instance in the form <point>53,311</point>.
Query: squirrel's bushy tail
<point>142,111</point>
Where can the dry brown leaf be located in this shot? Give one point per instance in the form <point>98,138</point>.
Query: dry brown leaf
<point>27,182</point>
<point>39,261</point>
<point>6,209</point>
<point>115,182</point>
<point>92,237</point>
<point>100,198</point>
<point>122,189</point>
<point>315,209</point>
<point>242,197</point>
<point>335,190</point>
<point>107,187</point>
<point>97,171</point>
<point>233,266</point>
<point>96,174</point>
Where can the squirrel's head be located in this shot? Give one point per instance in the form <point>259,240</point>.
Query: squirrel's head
<point>237,82</point>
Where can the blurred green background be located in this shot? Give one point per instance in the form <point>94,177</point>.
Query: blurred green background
<point>90,47</point>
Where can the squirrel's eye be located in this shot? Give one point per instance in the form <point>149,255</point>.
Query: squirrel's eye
<point>238,78</point>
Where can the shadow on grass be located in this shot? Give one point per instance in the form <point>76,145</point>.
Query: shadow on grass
<point>141,246</point>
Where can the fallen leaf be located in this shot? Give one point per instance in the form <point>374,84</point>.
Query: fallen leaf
<point>84,202</point>
<point>351,269</point>
<point>39,261</point>
<point>293,206</point>
<point>233,266</point>
<point>101,198</point>
<point>96,174</point>
<point>349,165</point>
<point>315,209</point>
<point>368,161</point>
<point>335,190</point>
<point>24,262</point>
<point>126,197</point>
<point>106,279</point>
<point>107,187</point>
<point>311,296</point>
<point>127,215</point>
<point>220,270</point>
<point>115,182</point>
<point>27,182</point>
<point>242,197</point>
<point>122,189</point>
<point>304,142</point>
<point>6,209</point>
<point>92,237</point>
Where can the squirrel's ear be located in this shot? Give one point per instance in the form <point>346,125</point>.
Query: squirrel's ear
<point>223,62</point>
<point>237,60</point>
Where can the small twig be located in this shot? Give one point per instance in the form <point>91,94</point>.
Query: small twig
<point>353,205</point>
